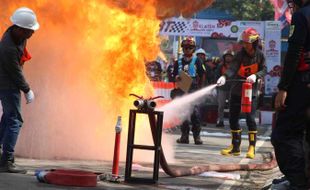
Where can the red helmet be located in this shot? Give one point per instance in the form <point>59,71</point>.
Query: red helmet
<point>249,35</point>
<point>188,41</point>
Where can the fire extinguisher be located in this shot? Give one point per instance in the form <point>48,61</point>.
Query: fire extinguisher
<point>246,98</point>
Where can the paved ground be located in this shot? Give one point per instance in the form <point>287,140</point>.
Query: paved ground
<point>186,155</point>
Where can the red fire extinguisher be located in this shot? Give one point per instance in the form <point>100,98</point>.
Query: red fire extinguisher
<point>246,99</point>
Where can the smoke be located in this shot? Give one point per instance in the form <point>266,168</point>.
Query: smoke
<point>180,109</point>
<point>164,8</point>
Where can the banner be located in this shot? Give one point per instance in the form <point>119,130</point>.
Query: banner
<point>199,27</point>
<point>273,55</point>
<point>208,28</point>
<point>259,26</point>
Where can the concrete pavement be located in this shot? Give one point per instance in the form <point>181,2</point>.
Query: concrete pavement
<point>186,155</point>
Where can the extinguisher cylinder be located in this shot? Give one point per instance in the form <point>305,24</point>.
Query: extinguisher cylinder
<point>246,98</point>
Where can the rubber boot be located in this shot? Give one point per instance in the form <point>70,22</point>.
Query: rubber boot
<point>220,124</point>
<point>185,133</point>
<point>234,148</point>
<point>197,139</point>
<point>252,141</point>
<point>183,140</point>
<point>196,134</point>
<point>196,126</point>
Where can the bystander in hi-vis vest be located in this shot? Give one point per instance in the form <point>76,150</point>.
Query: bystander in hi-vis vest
<point>191,70</point>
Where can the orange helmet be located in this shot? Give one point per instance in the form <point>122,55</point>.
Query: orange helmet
<point>249,35</point>
<point>188,41</point>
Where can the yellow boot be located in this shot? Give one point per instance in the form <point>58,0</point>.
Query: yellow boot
<point>251,152</point>
<point>252,141</point>
<point>234,148</point>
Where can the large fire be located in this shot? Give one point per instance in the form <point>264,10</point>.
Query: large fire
<point>87,57</point>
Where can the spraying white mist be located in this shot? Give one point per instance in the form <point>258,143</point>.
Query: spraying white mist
<point>181,108</point>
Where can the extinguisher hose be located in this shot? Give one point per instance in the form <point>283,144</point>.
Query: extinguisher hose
<point>236,80</point>
<point>195,170</point>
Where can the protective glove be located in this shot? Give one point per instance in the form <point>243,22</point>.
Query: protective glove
<point>251,78</point>
<point>29,96</point>
<point>221,81</point>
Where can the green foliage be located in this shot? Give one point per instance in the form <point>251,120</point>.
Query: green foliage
<point>259,10</point>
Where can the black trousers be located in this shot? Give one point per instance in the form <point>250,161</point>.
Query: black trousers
<point>288,134</point>
<point>195,119</point>
<point>234,113</point>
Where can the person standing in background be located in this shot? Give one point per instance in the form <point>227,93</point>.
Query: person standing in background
<point>192,65</point>
<point>223,92</point>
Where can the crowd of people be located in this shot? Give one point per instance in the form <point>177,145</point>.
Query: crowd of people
<point>248,64</point>
<point>212,68</point>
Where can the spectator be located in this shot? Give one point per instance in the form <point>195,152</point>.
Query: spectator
<point>169,70</point>
<point>193,67</point>
<point>153,70</point>
<point>223,92</point>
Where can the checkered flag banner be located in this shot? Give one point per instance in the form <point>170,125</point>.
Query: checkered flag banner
<point>175,27</point>
<point>179,27</point>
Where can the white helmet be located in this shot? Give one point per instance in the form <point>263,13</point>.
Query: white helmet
<point>200,50</point>
<point>25,18</point>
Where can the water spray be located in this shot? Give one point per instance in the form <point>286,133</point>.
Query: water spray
<point>181,107</point>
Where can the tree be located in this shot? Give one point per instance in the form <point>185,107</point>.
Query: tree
<point>246,9</point>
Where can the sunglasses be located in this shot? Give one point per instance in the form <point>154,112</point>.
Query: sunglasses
<point>188,48</point>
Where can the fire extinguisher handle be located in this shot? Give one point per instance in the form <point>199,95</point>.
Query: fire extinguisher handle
<point>236,80</point>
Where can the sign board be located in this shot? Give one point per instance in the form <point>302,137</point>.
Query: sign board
<point>199,27</point>
<point>272,53</point>
<point>207,27</point>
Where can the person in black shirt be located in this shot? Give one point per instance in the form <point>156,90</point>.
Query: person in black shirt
<point>223,91</point>
<point>13,54</point>
<point>248,64</point>
<point>169,70</point>
<point>293,99</point>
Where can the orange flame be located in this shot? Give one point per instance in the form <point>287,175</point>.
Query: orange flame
<point>87,57</point>
<point>164,8</point>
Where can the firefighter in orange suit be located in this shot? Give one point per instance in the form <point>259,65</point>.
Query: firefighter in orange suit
<point>248,64</point>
